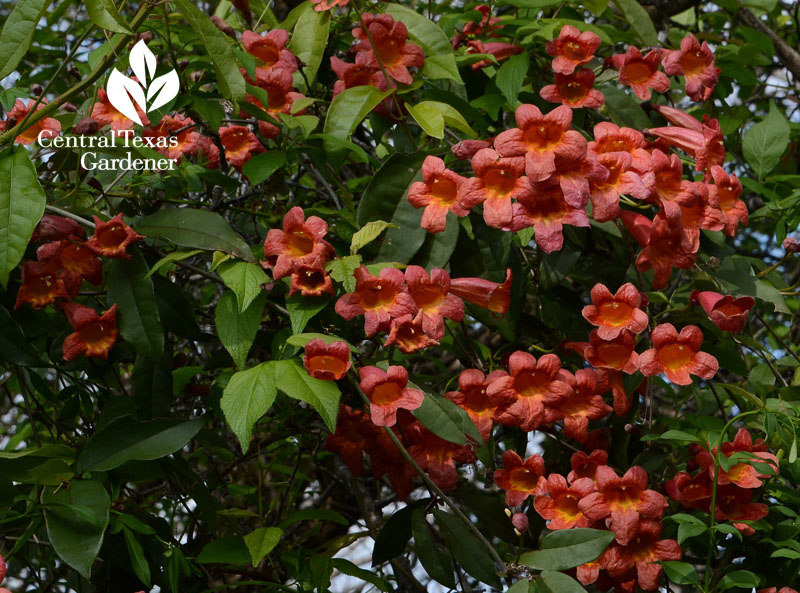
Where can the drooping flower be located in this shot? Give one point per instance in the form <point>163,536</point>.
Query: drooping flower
<point>665,246</point>
<point>486,26</point>
<point>499,49</point>
<point>57,228</point>
<point>408,334</point>
<point>520,479</point>
<point>94,334</point>
<point>280,98</point>
<point>538,387</point>
<point>77,261</point>
<point>671,191</point>
<point>735,504</point>
<point>438,194</point>
<point>323,5</point>
<point>494,296</point>
<point>614,313</point>
<point>355,434</point>
<point>186,136</point>
<point>497,181</point>
<point>387,393</point>
<point>311,280</point>
<point>585,466</point>
<point>560,506</point>
<point>640,72</point>
<point>696,63</point>
<point>104,113</point>
<point>387,459</point>
<point>438,457</point>
<point>208,151</point>
<point>111,238</point>
<point>575,177</point>
<point>240,144</point>
<point>701,214</point>
<point>466,149</point>
<point>727,312</point>
<point>392,50</point>
<point>644,553</point>
<point>615,354</point>
<point>270,51</point>
<point>728,188</point>
<point>572,49</point>
<point>547,212</point>
<point>351,75</point>
<point>473,397</point>
<point>574,90</point>
<point>329,362</point>
<point>702,140</point>
<point>539,138</point>
<point>625,500</point>
<point>584,403</point>
<point>48,127</point>
<point>41,284</point>
<point>676,355</point>
<point>430,294</point>
<point>300,242</point>
<point>621,179</point>
<point>378,298</point>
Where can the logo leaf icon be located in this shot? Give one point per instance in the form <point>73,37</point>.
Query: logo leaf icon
<point>120,89</point>
<point>168,84</point>
<point>143,61</point>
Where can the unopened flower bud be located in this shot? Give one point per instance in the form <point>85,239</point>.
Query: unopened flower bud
<point>520,523</point>
<point>791,245</point>
<point>86,127</point>
<point>71,107</point>
<point>36,89</point>
<point>466,149</point>
<point>223,26</point>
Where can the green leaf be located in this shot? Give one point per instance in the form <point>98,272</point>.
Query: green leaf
<point>227,550</point>
<point>341,269</point>
<point>247,397</point>
<point>293,380</point>
<point>104,14</point>
<point>743,579</point>
<point>137,311</point>
<point>229,78</point>
<point>388,187</point>
<point>127,439</point>
<point>261,542</point>
<point>433,41</point>
<point>309,38</point>
<point>468,551</point>
<point>17,33</point>
<point>76,515</point>
<point>568,548</point>
<point>138,561</point>
<point>510,75</point>
<point>437,248</point>
<point>428,118</point>
<point>639,20</point>
<point>433,560</point>
<point>401,243</point>
<point>346,567</point>
<point>451,116</point>
<point>680,573</point>
<point>302,310</point>
<point>351,106</point>
<point>624,109</point>
<point>434,418</point>
<point>597,7</point>
<point>200,229</point>
<point>688,526</point>
<point>171,257</point>
<point>261,166</point>
<point>394,535</point>
<point>558,582</point>
<point>766,141</point>
<point>237,329</point>
<point>680,435</point>
<point>245,279</point>
<point>22,203</point>
<point>367,234</point>
<point>314,515</point>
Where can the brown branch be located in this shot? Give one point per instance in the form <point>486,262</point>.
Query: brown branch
<point>788,55</point>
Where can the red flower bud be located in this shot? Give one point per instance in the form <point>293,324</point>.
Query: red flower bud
<point>520,522</point>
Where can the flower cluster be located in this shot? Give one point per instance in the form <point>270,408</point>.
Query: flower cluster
<point>741,469</point>
<point>480,38</point>
<point>593,495</point>
<point>48,127</point>
<point>300,251</point>
<point>64,261</point>
<point>412,306</point>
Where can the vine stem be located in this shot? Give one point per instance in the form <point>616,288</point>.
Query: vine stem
<point>438,491</point>
<point>84,84</point>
